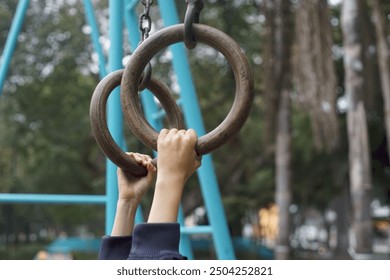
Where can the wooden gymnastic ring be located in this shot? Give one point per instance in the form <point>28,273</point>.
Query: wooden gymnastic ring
<point>237,59</point>
<point>99,120</point>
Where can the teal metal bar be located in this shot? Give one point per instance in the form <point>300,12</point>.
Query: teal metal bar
<point>196,230</point>
<point>131,22</point>
<point>161,113</point>
<point>130,5</point>
<point>91,19</point>
<point>9,47</point>
<point>185,241</point>
<point>52,198</point>
<point>206,174</point>
<point>114,108</point>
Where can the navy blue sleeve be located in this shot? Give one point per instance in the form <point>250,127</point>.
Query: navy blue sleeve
<point>115,247</point>
<point>150,241</point>
<point>156,241</point>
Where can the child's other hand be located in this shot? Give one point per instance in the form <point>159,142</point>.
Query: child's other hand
<point>132,188</point>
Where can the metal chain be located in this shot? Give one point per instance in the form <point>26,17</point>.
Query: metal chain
<point>194,7</point>
<point>145,25</point>
<point>145,22</point>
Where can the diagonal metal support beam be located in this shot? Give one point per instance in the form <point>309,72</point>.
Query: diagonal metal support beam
<point>10,44</point>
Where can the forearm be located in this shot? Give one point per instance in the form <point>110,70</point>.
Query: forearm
<point>166,201</point>
<point>124,218</point>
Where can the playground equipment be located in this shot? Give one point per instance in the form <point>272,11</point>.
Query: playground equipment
<point>124,11</point>
<point>130,97</point>
<point>99,118</point>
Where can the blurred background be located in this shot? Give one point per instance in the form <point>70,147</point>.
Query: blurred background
<point>307,177</point>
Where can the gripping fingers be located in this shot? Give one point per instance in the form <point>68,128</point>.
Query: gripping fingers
<point>192,135</point>
<point>140,158</point>
<point>163,133</point>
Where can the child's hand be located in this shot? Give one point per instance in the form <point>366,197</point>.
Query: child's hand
<point>176,162</point>
<point>132,188</point>
<point>177,159</point>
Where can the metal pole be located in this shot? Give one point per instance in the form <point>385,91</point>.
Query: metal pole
<point>9,47</point>
<point>114,108</point>
<point>193,117</point>
<point>90,16</point>
<point>52,198</point>
<point>185,247</point>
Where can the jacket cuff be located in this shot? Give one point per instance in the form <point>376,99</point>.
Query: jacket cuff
<point>115,247</point>
<point>156,241</point>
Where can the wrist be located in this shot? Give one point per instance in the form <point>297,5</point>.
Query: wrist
<point>127,204</point>
<point>124,218</point>
<point>170,181</point>
<point>166,200</point>
<point>164,209</point>
<point>169,191</point>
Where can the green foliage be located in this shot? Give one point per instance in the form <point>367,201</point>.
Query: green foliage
<point>46,144</point>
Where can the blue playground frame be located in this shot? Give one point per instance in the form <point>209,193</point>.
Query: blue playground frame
<point>124,11</point>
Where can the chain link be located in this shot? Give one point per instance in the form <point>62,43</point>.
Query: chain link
<point>145,22</point>
<point>145,25</point>
<point>194,7</point>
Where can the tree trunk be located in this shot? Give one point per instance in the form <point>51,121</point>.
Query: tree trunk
<point>359,160</point>
<point>283,175</point>
<point>314,71</point>
<point>271,94</point>
<point>384,63</point>
<point>341,204</point>
<point>370,64</point>
<point>277,88</point>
